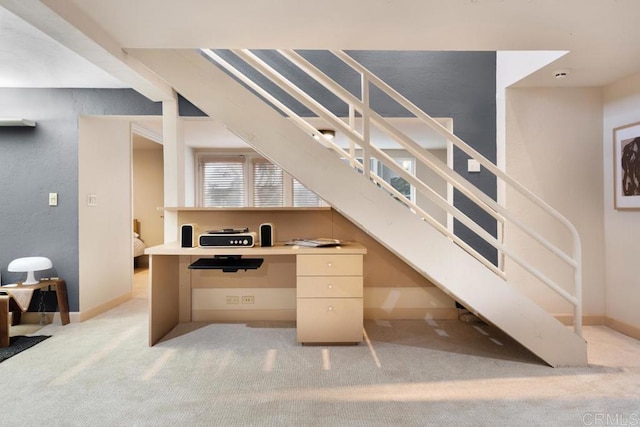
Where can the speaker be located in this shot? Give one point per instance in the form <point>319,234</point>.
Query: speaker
<point>266,234</point>
<point>188,235</point>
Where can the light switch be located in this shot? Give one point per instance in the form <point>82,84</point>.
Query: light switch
<point>473,165</point>
<point>92,200</point>
<point>53,199</point>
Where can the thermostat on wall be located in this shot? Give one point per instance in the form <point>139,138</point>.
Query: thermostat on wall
<point>473,165</point>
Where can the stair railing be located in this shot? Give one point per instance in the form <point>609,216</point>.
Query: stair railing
<point>363,140</point>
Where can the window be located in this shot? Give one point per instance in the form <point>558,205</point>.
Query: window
<point>268,187</point>
<point>248,180</point>
<point>303,197</point>
<point>223,181</point>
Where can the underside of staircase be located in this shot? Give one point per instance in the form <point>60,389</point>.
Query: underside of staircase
<point>405,234</point>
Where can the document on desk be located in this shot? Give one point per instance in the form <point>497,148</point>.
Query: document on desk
<point>319,242</point>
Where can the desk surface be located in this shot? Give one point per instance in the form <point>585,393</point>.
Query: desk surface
<point>174,248</point>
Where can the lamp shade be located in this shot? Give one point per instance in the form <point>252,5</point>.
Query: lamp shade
<point>30,265</point>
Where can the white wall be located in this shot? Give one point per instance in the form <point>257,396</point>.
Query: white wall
<point>622,228</point>
<point>554,147</point>
<point>190,176</point>
<point>105,243</point>
<point>512,66</point>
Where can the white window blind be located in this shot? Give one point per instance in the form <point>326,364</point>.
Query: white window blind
<point>223,181</point>
<point>303,197</point>
<point>267,184</point>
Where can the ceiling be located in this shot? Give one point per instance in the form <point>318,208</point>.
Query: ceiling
<point>83,43</point>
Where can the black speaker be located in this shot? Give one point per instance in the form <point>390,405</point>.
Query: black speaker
<point>188,235</point>
<point>266,234</point>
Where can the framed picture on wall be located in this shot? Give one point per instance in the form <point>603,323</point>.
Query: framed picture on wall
<point>626,169</point>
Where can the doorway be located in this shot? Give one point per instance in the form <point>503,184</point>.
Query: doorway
<point>147,193</point>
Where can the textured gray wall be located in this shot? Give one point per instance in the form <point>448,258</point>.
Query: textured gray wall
<point>44,159</point>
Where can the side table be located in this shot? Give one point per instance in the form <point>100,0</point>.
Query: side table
<point>15,298</point>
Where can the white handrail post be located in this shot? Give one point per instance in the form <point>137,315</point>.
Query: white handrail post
<point>577,314</point>
<point>366,130</point>
<point>352,144</point>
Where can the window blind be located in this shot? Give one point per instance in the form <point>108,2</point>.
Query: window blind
<point>303,197</point>
<point>268,189</point>
<point>223,182</point>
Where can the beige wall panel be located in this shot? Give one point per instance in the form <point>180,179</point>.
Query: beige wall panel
<point>381,267</point>
<point>288,223</point>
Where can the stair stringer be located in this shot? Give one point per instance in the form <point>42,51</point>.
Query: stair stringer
<point>405,234</point>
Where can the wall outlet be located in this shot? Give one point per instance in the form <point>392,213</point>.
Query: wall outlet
<point>53,199</point>
<point>233,299</point>
<point>248,299</point>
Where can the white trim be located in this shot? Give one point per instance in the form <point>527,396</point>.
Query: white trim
<point>146,133</point>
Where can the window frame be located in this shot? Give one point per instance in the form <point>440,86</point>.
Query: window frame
<point>249,158</point>
<point>204,157</point>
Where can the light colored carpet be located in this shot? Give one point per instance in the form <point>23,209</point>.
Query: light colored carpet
<point>413,373</point>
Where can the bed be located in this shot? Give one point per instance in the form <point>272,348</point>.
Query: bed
<point>138,243</point>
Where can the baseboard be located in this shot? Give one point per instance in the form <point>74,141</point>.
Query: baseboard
<point>242,315</point>
<point>623,328</point>
<point>290,315</point>
<point>76,316</point>
<point>404,313</point>
<point>102,308</point>
<point>590,320</point>
<point>616,325</point>
<point>33,317</point>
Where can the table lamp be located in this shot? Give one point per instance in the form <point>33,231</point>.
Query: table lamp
<point>30,265</point>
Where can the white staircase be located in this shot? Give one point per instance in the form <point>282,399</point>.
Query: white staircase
<point>423,243</point>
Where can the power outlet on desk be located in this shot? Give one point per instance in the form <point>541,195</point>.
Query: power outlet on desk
<point>248,299</point>
<point>233,299</point>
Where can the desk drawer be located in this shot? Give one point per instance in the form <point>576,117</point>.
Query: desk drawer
<point>329,265</point>
<point>329,286</point>
<point>329,320</point>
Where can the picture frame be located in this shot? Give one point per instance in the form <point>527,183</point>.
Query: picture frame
<point>626,168</point>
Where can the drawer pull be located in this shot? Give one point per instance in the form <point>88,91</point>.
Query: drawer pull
<point>330,286</point>
<point>329,264</point>
<point>330,308</point>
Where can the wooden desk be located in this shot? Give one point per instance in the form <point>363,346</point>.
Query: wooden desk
<point>329,288</point>
<point>16,299</point>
